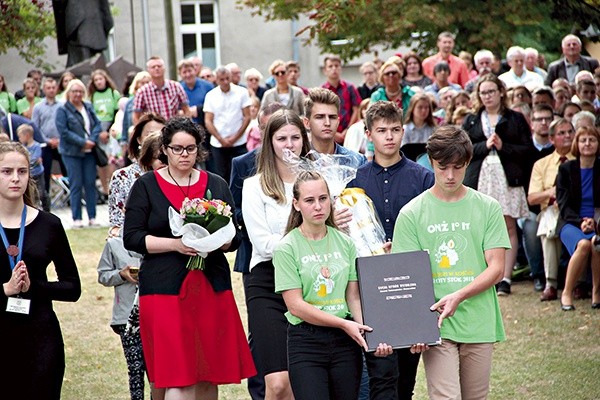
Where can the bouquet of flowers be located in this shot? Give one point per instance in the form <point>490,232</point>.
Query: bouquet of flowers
<point>204,224</point>
<point>365,228</point>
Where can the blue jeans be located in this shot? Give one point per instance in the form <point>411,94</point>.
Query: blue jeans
<point>324,363</point>
<point>533,248</point>
<point>82,175</point>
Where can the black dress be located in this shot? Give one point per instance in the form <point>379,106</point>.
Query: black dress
<point>32,345</point>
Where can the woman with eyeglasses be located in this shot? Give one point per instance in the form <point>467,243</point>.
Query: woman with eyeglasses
<point>290,96</point>
<point>253,78</point>
<point>578,198</point>
<point>191,331</point>
<point>501,164</point>
<point>390,76</point>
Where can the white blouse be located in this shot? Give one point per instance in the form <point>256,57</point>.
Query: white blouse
<point>264,218</point>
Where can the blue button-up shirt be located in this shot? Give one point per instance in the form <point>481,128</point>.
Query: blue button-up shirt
<point>196,96</point>
<point>390,188</point>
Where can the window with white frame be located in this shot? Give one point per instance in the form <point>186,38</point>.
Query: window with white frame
<point>200,30</point>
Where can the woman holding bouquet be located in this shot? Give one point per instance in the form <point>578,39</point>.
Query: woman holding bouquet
<point>266,204</point>
<point>316,274</point>
<point>191,331</point>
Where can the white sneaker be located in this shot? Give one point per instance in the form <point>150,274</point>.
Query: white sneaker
<point>93,222</point>
<point>77,224</point>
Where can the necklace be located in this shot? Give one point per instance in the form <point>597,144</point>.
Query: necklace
<point>392,94</point>
<point>187,195</point>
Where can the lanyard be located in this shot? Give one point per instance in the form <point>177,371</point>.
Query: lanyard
<point>10,250</point>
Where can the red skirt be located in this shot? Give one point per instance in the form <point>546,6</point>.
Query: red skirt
<point>194,337</point>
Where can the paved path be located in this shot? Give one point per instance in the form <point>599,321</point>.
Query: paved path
<point>64,213</point>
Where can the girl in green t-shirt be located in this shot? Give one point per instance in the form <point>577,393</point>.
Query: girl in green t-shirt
<point>7,99</point>
<point>104,96</point>
<point>316,274</point>
<point>32,93</point>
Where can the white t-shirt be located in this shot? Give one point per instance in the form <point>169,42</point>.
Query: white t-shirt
<point>227,109</point>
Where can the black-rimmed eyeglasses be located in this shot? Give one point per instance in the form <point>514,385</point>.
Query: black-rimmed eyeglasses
<point>178,150</point>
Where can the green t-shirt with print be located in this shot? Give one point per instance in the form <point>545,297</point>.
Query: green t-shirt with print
<point>23,104</point>
<point>8,102</point>
<point>106,104</point>
<point>321,268</point>
<point>456,235</point>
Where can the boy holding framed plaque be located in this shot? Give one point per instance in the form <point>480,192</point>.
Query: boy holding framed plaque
<point>464,232</point>
<point>390,180</point>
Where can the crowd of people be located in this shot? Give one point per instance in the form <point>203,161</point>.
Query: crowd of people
<point>510,149</point>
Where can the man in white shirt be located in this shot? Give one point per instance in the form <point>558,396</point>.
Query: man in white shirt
<point>518,74</point>
<point>226,116</point>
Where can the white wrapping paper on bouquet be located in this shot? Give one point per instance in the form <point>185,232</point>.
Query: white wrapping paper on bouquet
<point>195,236</point>
<point>336,169</point>
<point>365,228</point>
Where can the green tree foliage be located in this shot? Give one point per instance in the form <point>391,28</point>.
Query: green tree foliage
<point>416,23</point>
<point>23,25</point>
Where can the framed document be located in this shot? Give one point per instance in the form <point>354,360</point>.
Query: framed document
<point>396,291</point>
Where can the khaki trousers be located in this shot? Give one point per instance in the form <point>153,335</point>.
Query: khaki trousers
<point>458,371</point>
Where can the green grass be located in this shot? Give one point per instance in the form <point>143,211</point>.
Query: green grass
<point>549,354</point>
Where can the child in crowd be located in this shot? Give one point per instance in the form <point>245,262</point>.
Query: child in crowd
<point>25,135</point>
<point>119,268</point>
<point>253,130</point>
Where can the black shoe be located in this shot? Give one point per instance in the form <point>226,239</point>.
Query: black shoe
<point>503,288</point>
<point>538,285</point>
<point>595,306</point>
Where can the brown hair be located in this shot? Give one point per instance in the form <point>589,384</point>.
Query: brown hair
<point>478,105</point>
<point>321,96</point>
<point>270,181</point>
<point>429,121</point>
<point>450,144</point>
<point>110,84</point>
<point>332,58</point>
<point>133,148</point>
<point>30,196</point>
<point>383,110</point>
<point>295,219</point>
<point>584,130</point>
<point>150,149</point>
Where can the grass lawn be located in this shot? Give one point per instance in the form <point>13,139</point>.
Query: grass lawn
<point>549,354</point>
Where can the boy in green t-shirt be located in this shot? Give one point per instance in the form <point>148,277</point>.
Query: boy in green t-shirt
<point>464,232</point>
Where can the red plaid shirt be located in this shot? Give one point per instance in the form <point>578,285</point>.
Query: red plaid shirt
<point>165,101</point>
<point>349,97</point>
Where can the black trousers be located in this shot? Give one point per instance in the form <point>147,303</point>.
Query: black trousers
<point>392,377</point>
<point>221,159</point>
<point>324,363</point>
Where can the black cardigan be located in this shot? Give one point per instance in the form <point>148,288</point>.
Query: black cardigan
<point>146,213</point>
<point>517,154</point>
<point>568,192</point>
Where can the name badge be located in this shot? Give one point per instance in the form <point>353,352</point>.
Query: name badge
<point>18,305</point>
